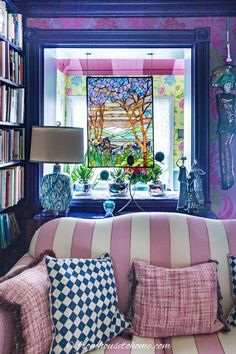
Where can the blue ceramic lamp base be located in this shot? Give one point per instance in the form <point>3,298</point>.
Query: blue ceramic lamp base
<point>56,191</point>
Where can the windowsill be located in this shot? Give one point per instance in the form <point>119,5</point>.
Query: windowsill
<point>138,195</point>
<point>94,202</point>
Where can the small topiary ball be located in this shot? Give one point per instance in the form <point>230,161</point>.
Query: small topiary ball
<point>159,156</point>
<point>104,175</point>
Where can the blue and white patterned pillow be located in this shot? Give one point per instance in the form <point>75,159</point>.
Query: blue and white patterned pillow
<point>83,304</point>
<point>232,269</point>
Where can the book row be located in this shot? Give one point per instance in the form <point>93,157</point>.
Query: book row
<point>12,104</point>
<point>9,229</point>
<point>11,64</point>
<point>11,25</point>
<point>11,145</point>
<point>11,186</point>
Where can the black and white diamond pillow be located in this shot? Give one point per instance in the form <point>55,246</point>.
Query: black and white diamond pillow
<point>232,270</point>
<point>83,304</point>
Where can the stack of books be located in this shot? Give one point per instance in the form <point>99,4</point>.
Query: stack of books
<point>11,25</point>
<point>11,186</point>
<point>11,145</point>
<point>9,229</point>
<point>11,64</point>
<point>12,105</point>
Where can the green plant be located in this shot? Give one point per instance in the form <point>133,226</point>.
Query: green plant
<point>82,173</point>
<point>154,173</point>
<point>136,174</point>
<point>118,175</point>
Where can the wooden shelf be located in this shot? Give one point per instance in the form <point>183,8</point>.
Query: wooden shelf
<point>10,83</point>
<point>2,210</point>
<point>10,164</point>
<point>10,124</point>
<point>11,45</point>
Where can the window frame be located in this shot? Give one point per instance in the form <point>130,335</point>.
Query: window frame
<point>37,40</point>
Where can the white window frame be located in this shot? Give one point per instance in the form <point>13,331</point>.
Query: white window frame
<point>159,143</point>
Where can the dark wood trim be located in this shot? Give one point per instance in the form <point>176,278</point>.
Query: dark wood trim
<point>111,38</point>
<point>126,8</point>
<point>32,111</point>
<point>11,6</point>
<point>196,39</point>
<point>202,105</point>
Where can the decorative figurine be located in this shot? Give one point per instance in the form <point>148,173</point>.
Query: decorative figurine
<point>183,193</point>
<point>191,196</point>
<point>225,77</point>
<point>198,185</point>
<point>193,205</point>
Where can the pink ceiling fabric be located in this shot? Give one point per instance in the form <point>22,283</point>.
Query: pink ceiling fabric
<point>120,67</point>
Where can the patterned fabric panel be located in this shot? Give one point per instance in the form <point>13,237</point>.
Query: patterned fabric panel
<point>232,270</point>
<point>163,239</point>
<point>220,343</point>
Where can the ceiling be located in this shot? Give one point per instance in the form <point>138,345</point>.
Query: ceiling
<point>125,61</point>
<point>118,53</point>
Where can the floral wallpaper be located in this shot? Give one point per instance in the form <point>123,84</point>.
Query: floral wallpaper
<point>61,84</point>
<point>223,201</point>
<point>75,86</point>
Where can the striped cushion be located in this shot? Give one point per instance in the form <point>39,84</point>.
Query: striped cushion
<point>219,343</point>
<point>199,344</point>
<point>162,239</point>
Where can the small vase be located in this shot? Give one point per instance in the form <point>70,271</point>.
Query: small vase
<point>109,207</point>
<point>83,188</point>
<point>157,189</point>
<point>118,189</point>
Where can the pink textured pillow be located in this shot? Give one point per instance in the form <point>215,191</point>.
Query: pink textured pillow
<point>173,302</point>
<point>25,294</point>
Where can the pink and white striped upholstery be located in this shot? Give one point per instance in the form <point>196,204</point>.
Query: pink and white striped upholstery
<point>163,239</point>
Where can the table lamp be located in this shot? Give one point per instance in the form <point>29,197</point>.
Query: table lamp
<point>56,145</point>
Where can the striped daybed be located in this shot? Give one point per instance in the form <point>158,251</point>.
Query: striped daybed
<point>163,239</point>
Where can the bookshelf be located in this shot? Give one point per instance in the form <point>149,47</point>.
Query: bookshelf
<point>12,136</point>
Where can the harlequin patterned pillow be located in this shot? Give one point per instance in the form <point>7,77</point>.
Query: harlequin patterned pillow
<point>232,269</point>
<point>83,304</point>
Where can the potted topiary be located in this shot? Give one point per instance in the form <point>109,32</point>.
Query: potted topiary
<point>155,187</point>
<point>118,187</point>
<point>81,176</point>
